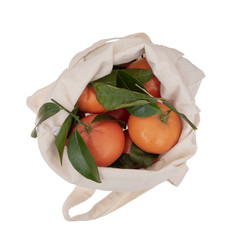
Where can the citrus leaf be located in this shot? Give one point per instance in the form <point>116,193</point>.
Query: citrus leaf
<point>81,158</point>
<point>106,117</point>
<point>34,133</point>
<point>108,79</point>
<point>145,110</point>
<point>46,111</point>
<point>165,102</point>
<point>143,159</point>
<point>61,138</point>
<point>111,97</point>
<point>66,127</point>
<point>125,162</point>
<point>127,81</point>
<point>142,75</point>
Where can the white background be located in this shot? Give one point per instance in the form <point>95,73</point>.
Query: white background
<point>38,40</point>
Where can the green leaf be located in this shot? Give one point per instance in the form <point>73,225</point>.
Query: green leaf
<point>106,117</point>
<point>114,98</point>
<point>140,157</point>
<point>108,79</point>
<point>145,110</point>
<point>125,162</point>
<point>165,102</point>
<point>34,133</point>
<point>133,79</point>
<point>61,138</point>
<point>125,80</point>
<point>46,111</point>
<point>66,127</point>
<point>81,158</point>
<point>142,75</point>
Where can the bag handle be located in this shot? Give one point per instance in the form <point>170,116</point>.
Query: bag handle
<point>112,201</point>
<point>78,57</point>
<point>77,196</point>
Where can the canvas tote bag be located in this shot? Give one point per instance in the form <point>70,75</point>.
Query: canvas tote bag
<point>180,80</point>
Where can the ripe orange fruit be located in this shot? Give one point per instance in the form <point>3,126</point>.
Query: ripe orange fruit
<point>155,134</point>
<point>121,114</point>
<point>128,144</point>
<point>88,103</point>
<point>105,139</point>
<point>153,85</point>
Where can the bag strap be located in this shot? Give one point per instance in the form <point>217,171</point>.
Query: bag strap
<point>110,203</point>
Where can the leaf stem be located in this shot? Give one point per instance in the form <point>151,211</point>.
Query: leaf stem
<point>144,90</point>
<point>165,102</point>
<point>165,116</point>
<point>72,114</point>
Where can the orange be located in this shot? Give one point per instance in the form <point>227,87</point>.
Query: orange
<point>121,114</point>
<point>153,85</point>
<point>155,134</point>
<point>128,144</point>
<point>88,102</point>
<point>105,139</point>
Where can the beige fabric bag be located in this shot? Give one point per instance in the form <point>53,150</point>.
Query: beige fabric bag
<point>179,83</point>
